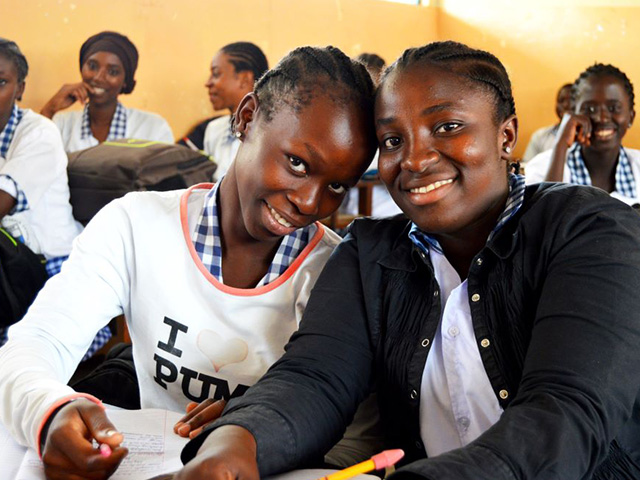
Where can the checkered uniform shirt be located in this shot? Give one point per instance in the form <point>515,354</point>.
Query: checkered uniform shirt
<point>54,264</point>
<point>117,129</point>
<point>625,182</point>
<point>206,240</point>
<point>514,201</point>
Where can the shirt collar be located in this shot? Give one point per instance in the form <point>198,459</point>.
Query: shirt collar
<point>10,128</point>
<point>578,173</point>
<point>117,129</point>
<point>515,199</point>
<point>207,242</point>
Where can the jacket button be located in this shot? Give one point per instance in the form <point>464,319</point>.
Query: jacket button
<point>503,394</point>
<point>485,342</point>
<point>436,293</point>
<point>479,261</point>
<point>475,297</point>
<point>413,394</point>
<point>425,342</point>
<point>419,445</point>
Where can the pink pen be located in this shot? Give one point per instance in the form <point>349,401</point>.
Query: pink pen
<point>105,450</point>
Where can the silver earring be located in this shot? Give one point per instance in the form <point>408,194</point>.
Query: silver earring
<point>507,149</point>
<point>238,134</point>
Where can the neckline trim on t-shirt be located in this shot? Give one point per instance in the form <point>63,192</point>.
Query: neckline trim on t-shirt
<point>246,292</point>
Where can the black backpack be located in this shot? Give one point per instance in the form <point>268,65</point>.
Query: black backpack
<point>22,275</point>
<point>108,171</point>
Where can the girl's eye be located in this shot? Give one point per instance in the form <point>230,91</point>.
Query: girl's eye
<point>297,165</point>
<point>114,73</point>
<point>391,142</point>
<point>3,81</point>
<point>337,188</point>
<point>447,127</point>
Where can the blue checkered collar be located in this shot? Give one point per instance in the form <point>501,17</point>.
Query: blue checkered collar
<point>9,129</point>
<point>117,129</point>
<point>625,182</point>
<point>208,245</point>
<point>514,201</point>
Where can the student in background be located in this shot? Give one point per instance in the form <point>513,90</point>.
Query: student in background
<point>212,280</point>
<point>588,148</point>
<point>108,62</point>
<point>34,193</point>
<point>544,138</point>
<point>499,322</point>
<point>234,71</point>
<point>375,65</point>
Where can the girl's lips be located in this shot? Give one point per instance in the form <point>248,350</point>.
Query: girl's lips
<point>276,223</point>
<point>426,194</point>
<point>604,133</point>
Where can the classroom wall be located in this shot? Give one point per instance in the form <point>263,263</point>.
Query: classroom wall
<point>544,45</point>
<point>177,39</point>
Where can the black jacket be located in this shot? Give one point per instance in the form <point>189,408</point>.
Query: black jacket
<point>555,303</point>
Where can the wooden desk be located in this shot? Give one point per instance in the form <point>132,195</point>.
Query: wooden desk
<point>365,200</point>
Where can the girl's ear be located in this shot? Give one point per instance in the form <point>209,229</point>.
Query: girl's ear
<point>20,91</point>
<point>246,79</point>
<point>508,137</point>
<point>245,113</point>
<point>632,117</point>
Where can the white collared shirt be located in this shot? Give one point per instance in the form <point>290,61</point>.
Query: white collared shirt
<point>457,401</point>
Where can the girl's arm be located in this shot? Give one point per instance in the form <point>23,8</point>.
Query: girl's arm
<point>68,94</point>
<point>573,128</point>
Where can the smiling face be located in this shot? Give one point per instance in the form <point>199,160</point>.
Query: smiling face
<point>105,73</point>
<point>296,168</point>
<point>605,101</point>
<point>10,89</point>
<point>226,86</point>
<point>441,150</point>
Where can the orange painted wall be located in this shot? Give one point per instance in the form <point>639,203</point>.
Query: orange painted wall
<point>544,45</point>
<point>177,38</point>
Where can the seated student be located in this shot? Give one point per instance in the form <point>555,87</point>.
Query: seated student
<point>234,71</point>
<point>108,62</point>
<point>588,148</point>
<point>212,280</point>
<point>500,323</point>
<point>34,194</point>
<point>544,138</point>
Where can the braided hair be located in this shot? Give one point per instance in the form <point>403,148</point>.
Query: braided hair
<point>603,70</point>
<point>246,56</point>
<point>11,52</point>
<point>478,66</point>
<point>308,72</point>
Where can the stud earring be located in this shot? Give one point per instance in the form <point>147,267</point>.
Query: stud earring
<point>238,134</point>
<point>507,149</point>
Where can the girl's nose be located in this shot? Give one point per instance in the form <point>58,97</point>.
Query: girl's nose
<point>419,160</point>
<point>306,197</point>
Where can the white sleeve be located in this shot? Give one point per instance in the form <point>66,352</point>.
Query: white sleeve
<point>535,171</point>
<point>164,132</point>
<point>35,160</point>
<point>46,346</point>
<point>533,148</point>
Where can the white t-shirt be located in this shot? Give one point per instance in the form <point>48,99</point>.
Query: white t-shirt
<point>220,144</point>
<point>140,125</point>
<point>541,140</point>
<point>36,161</point>
<point>536,171</point>
<point>193,337</point>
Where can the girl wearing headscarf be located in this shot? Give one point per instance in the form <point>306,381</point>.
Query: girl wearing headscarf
<point>108,62</point>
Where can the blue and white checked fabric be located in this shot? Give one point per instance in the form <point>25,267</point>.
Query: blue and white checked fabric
<point>206,240</point>
<point>625,182</point>
<point>117,129</point>
<point>514,201</point>
<point>5,141</point>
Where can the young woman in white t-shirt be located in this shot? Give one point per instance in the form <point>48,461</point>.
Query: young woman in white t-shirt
<point>206,277</point>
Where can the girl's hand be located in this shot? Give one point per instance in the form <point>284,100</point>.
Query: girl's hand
<point>69,452</point>
<point>199,416</point>
<point>574,128</point>
<point>69,94</point>
<point>229,452</point>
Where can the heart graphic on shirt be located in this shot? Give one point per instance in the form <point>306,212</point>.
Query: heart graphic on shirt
<point>221,351</point>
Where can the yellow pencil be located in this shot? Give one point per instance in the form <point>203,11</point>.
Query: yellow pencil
<point>377,462</point>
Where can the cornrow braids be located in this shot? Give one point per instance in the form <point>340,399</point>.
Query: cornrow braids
<point>603,70</point>
<point>246,56</point>
<point>11,52</point>
<point>478,66</point>
<point>371,60</point>
<point>308,72</point>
